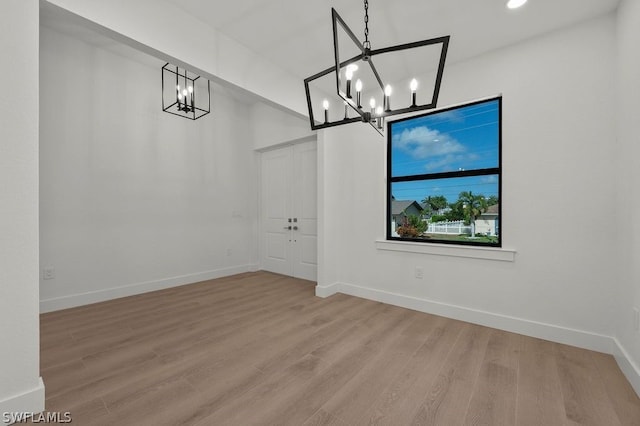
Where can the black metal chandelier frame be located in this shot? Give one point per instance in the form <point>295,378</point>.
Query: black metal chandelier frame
<point>366,55</point>
<point>188,108</point>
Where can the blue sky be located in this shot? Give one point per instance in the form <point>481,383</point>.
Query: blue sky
<point>461,139</point>
<point>450,188</point>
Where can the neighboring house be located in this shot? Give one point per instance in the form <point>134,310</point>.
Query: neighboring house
<point>489,222</point>
<point>400,210</point>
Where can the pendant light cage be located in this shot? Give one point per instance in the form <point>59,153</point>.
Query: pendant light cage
<point>184,93</point>
<point>369,85</point>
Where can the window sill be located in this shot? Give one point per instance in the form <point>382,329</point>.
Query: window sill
<point>487,253</point>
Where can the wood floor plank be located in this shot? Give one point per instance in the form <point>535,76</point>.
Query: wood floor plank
<point>143,406</point>
<point>400,400</point>
<point>93,412</point>
<point>289,396</point>
<point>358,394</point>
<point>449,396</point>
<point>260,348</point>
<point>584,394</point>
<point>322,418</point>
<point>97,385</point>
<point>341,372</point>
<point>621,395</point>
<point>222,387</point>
<point>539,399</point>
<point>62,377</point>
<point>494,397</point>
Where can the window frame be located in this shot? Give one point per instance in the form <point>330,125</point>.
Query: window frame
<point>445,175</point>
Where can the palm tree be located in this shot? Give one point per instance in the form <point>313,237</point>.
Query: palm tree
<point>434,203</point>
<point>474,206</point>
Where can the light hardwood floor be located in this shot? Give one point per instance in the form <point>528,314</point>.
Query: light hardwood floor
<point>260,348</point>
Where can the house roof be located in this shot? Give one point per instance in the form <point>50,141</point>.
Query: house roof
<point>399,206</point>
<point>492,210</point>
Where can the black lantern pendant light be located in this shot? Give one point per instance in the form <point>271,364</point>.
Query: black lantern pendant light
<point>375,71</point>
<point>185,94</point>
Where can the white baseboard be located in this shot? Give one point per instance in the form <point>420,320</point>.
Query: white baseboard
<point>626,364</point>
<point>31,401</point>
<point>70,301</point>
<point>554,333</point>
<point>326,291</point>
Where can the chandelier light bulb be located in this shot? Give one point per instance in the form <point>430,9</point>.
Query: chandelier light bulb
<point>379,119</point>
<point>325,105</point>
<point>358,92</point>
<point>372,103</point>
<point>413,86</point>
<point>184,93</point>
<point>349,74</point>
<point>387,94</point>
<point>190,89</point>
<point>350,69</point>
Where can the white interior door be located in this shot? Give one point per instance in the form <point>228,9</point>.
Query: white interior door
<point>289,211</point>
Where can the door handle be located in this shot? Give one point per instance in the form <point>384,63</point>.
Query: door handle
<point>287,227</point>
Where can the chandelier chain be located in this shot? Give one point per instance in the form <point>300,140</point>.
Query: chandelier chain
<point>367,43</point>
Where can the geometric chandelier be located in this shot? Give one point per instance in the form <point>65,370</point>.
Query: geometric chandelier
<point>185,93</point>
<point>368,85</point>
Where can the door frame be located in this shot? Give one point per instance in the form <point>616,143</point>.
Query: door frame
<point>261,226</point>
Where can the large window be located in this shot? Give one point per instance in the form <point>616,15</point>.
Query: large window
<point>443,175</point>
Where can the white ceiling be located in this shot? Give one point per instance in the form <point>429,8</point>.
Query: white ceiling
<point>297,34</point>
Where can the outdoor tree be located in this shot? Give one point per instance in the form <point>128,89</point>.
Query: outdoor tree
<point>473,206</point>
<point>433,203</point>
<point>456,212</point>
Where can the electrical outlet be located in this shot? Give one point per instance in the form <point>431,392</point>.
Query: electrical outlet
<point>636,319</point>
<point>48,273</point>
<point>419,272</point>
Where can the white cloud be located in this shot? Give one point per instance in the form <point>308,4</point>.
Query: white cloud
<point>421,143</point>
<point>442,151</point>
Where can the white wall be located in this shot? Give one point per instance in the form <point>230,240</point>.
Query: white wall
<point>149,25</point>
<point>628,176</point>
<point>271,126</point>
<point>558,165</point>
<point>21,388</point>
<point>133,198</point>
